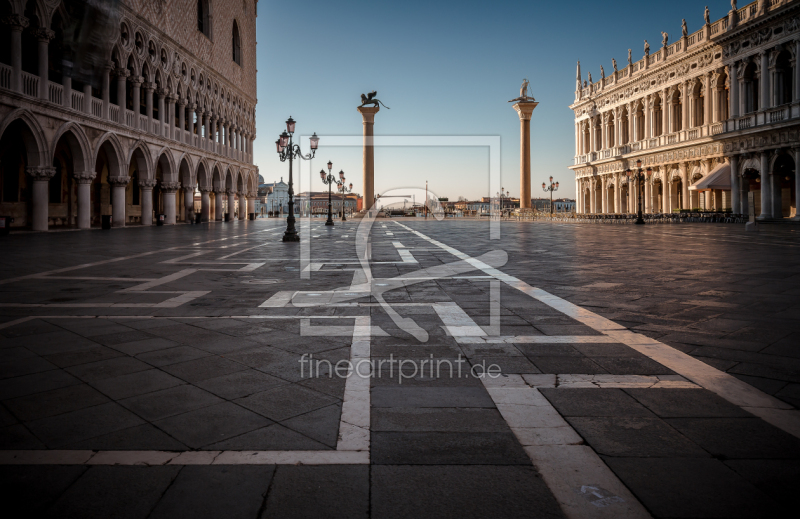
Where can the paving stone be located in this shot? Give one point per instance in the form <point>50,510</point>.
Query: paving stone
<point>776,478</point>
<point>169,402</point>
<point>402,419</point>
<point>438,491</point>
<point>671,487</point>
<point>204,368</point>
<point>274,437</point>
<point>120,492</point>
<point>26,366</point>
<point>503,365</point>
<point>165,357</point>
<point>446,448</point>
<point>593,402</point>
<point>145,345</point>
<point>635,436</point>
<point>390,396</point>
<point>33,488</point>
<point>240,384</point>
<point>64,429</point>
<point>217,491</point>
<point>57,401</point>
<point>564,364</point>
<point>341,489</point>
<point>96,371</point>
<point>321,425</point>
<point>209,425</point>
<point>285,402</point>
<point>121,337</point>
<point>138,383</point>
<point>681,403</point>
<point>748,438</point>
<point>36,383</point>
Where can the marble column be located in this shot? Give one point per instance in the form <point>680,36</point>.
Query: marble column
<point>66,84</point>
<point>17,23</point>
<point>647,116</point>
<point>188,203</point>
<point>136,84</point>
<point>733,108</point>
<point>148,104</point>
<point>84,181</point>
<point>180,135</point>
<point>105,89</point>
<point>251,203</point>
<point>231,204</point>
<point>161,111</point>
<point>168,192</point>
<point>735,179</point>
<point>764,102</point>
<point>243,207</point>
<point>766,191</point>
<point>218,204</point>
<point>41,177</point>
<point>648,193</point>
<point>118,185</point>
<point>665,188</point>
<point>368,156</point>
<point>683,169</point>
<point>199,127</point>
<point>524,110</point>
<point>43,36</point>
<point>147,200</point>
<point>122,79</point>
<point>205,204</point>
<point>87,99</point>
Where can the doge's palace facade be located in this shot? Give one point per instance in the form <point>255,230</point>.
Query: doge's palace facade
<point>125,108</point>
<point>717,110</point>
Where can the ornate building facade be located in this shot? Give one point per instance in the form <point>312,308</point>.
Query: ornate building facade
<point>713,116</point>
<point>124,108</point>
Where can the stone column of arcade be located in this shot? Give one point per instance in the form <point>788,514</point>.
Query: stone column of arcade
<point>525,110</point>
<point>41,177</point>
<point>205,204</point>
<point>218,204</point>
<point>243,205</point>
<point>118,185</point>
<point>251,205</point>
<point>168,190</point>
<point>84,180</point>
<point>147,200</point>
<point>231,203</point>
<point>188,203</point>
<point>368,119</point>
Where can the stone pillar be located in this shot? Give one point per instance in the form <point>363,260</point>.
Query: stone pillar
<point>647,117</point>
<point>617,195</point>
<point>66,84</point>
<point>161,111</point>
<point>168,190</point>
<point>709,103</point>
<point>147,200</point>
<point>105,89</point>
<point>188,202</point>
<point>368,170</point>
<point>84,181</point>
<point>764,102</point>
<point>41,177</point>
<point>733,109</point>
<point>169,116</point>
<point>685,122</point>
<point>87,99</point>
<point>136,84</point>
<point>766,192</point>
<point>648,194</point>
<point>207,125</point>
<point>205,204</point>
<point>122,78</point>
<point>181,120</point>
<point>243,206</point>
<point>118,185</point>
<point>43,36</point>
<point>524,110</point>
<point>796,84</point>
<point>665,206</point>
<point>199,127</point>
<point>18,23</point>
<point>683,169</point>
<point>735,179</point>
<point>148,104</point>
<point>218,205</point>
<point>231,203</point>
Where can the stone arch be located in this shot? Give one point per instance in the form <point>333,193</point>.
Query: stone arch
<point>230,177</point>
<point>187,173</point>
<point>165,159</point>
<point>110,145</point>
<point>217,180</point>
<point>202,174</point>
<point>141,155</point>
<point>78,144</point>
<point>36,148</point>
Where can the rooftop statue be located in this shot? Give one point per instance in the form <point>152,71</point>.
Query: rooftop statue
<point>523,91</point>
<point>664,38</point>
<point>707,16</point>
<point>733,5</point>
<point>684,30</point>
<point>646,48</point>
<point>370,99</point>
<point>614,62</point>
<point>630,62</point>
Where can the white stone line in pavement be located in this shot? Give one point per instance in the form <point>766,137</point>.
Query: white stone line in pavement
<point>769,408</point>
<point>354,423</point>
<point>456,321</point>
<point>558,454</point>
<point>537,339</point>
<point>307,330</point>
<point>608,381</point>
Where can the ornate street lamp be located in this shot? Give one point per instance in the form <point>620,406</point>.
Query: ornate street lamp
<point>288,150</point>
<point>329,180</point>
<point>552,187</point>
<point>639,176</point>
<point>343,190</point>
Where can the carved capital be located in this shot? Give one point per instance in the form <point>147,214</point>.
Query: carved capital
<point>137,81</point>
<point>122,73</point>
<point>119,181</point>
<point>205,189</point>
<point>41,173</point>
<point>149,86</point>
<point>16,21</point>
<point>170,187</point>
<point>84,177</point>
<point>44,34</point>
<point>147,183</point>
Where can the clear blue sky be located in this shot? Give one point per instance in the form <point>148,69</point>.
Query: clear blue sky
<point>444,68</point>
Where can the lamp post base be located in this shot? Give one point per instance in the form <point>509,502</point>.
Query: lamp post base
<point>639,221</point>
<point>294,237</point>
<point>329,222</point>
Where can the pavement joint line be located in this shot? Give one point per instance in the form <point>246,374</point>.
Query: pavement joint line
<point>735,391</point>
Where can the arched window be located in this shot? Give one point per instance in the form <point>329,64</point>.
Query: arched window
<point>204,17</point>
<point>237,45</point>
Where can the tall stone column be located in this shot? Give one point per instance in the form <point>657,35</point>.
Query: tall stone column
<point>179,135</point>
<point>666,190</point>
<point>66,84</point>
<point>43,36</point>
<point>148,104</point>
<point>168,190</point>
<point>41,177</point>
<point>17,24</point>
<point>161,111</point>
<point>218,205</point>
<point>188,202</point>
<point>205,204</point>
<point>648,103</point>
<point>683,169</point>
<point>735,184</point>
<point>243,206</point>
<point>733,109</point>
<point>764,102</point>
<point>766,191</point>
<point>118,185</point>
<point>648,196</point>
<point>122,79</point>
<point>617,195</point>
<point>84,181</point>
<point>147,200</point>
<point>368,154</point>
<point>524,110</point>
<point>199,127</point>
<point>136,84</point>
<point>251,203</point>
<point>231,203</point>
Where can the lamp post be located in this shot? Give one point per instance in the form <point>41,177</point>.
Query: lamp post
<point>288,150</point>
<point>343,190</point>
<point>639,176</point>
<point>328,179</point>
<point>501,195</point>
<point>552,187</point>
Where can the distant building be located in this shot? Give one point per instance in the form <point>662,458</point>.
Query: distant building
<point>560,205</point>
